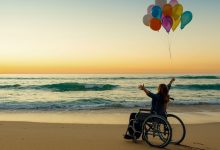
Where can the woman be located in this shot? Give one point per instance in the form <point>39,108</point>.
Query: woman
<point>158,105</point>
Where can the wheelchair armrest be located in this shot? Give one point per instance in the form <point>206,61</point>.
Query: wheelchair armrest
<point>171,98</point>
<point>143,109</point>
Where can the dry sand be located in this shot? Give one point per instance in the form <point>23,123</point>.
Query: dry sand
<point>54,136</point>
<point>101,130</point>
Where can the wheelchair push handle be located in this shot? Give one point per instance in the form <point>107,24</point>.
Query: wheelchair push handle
<point>171,98</point>
<point>143,109</point>
<point>148,110</point>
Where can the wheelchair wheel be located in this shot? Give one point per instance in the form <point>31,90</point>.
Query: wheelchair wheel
<point>157,131</point>
<point>178,129</point>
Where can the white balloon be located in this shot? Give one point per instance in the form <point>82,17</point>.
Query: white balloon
<point>146,19</point>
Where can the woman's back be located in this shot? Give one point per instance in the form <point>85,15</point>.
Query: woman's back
<point>157,104</point>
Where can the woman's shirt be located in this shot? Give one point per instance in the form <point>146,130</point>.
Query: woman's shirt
<point>157,104</point>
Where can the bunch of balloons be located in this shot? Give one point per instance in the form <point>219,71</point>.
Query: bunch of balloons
<point>169,15</point>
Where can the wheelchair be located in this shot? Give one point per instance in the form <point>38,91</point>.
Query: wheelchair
<point>156,130</point>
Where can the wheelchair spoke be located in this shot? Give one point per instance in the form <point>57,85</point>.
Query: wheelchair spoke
<point>156,131</point>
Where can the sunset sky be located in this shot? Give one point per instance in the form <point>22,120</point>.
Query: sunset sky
<point>104,36</point>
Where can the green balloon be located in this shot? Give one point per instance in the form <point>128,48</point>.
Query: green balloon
<point>186,18</point>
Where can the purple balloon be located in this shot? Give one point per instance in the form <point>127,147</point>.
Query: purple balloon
<point>173,2</point>
<point>167,23</point>
<point>150,8</point>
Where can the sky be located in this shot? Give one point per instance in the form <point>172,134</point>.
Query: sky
<point>104,36</point>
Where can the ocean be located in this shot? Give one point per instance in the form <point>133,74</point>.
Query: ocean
<point>72,92</point>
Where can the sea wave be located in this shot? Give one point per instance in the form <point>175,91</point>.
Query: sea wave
<point>198,77</point>
<point>10,86</point>
<point>63,87</point>
<point>89,104</point>
<point>198,87</point>
<point>83,104</point>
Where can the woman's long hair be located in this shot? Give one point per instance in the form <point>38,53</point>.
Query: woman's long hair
<point>164,92</point>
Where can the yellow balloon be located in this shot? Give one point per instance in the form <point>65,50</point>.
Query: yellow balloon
<point>176,23</point>
<point>177,11</point>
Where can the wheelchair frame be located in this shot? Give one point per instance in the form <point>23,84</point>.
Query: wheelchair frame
<point>155,126</point>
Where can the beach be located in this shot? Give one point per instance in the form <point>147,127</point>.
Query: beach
<point>100,129</point>
<point>50,136</point>
<point>81,112</point>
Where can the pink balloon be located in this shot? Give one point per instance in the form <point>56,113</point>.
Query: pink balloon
<point>173,2</point>
<point>160,3</point>
<point>150,8</point>
<point>167,23</point>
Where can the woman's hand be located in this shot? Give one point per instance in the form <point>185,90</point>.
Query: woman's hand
<point>172,80</point>
<point>141,87</point>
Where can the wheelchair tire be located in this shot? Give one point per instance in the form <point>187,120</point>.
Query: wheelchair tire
<point>156,131</point>
<point>178,129</point>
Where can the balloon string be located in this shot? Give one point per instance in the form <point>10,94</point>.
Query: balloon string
<point>170,51</point>
<point>169,47</point>
<point>170,41</point>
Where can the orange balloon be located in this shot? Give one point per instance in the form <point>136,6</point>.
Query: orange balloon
<point>155,24</point>
<point>167,10</point>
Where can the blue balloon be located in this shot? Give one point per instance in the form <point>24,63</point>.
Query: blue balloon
<point>156,12</point>
<point>186,18</point>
